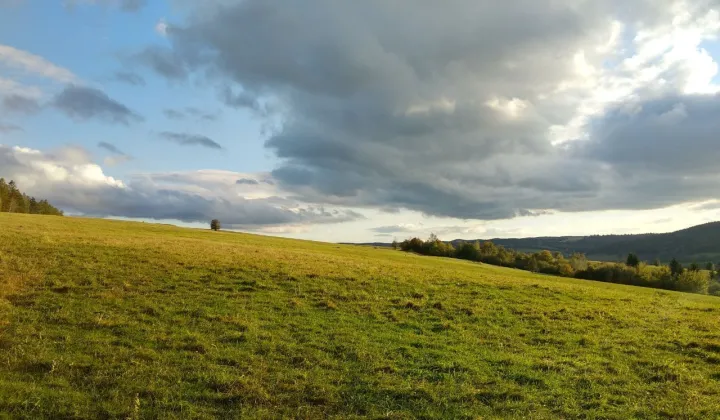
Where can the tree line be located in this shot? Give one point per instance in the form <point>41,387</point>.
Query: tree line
<point>12,200</point>
<point>633,271</point>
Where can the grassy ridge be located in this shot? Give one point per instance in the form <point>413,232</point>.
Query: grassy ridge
<point>114,319</point>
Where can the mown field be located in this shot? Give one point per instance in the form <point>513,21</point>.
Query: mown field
<point>107,319</point>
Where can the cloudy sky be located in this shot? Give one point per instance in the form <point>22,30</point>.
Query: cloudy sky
<point>344,120</point>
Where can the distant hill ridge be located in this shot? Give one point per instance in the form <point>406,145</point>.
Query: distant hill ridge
<point>695,244</point>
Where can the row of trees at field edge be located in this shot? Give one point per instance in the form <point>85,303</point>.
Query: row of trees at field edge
<point>12,200</point>
<point>634,272</point>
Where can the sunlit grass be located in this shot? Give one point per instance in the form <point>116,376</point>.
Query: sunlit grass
<point>111,319</point>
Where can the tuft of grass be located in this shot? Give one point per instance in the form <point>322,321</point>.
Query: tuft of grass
<point>107,319</point>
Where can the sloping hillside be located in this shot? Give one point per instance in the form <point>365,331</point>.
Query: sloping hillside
<point>696,244</point>
<point>107,319</point>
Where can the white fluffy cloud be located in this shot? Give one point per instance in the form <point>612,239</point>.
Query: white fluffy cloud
<point>10,87</point>
<point>70,179</point>
<point>161,27</point>
<point>13,58</point>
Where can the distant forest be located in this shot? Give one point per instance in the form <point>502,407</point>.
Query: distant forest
<point>697,244</point>
<point>12,200</point>
<point>695,278</point>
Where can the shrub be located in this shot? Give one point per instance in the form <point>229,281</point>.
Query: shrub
<point>438,248</point>
<point>412,245</point>
<point>578,262</point>
<point>693,281</point>
<point>547,268</point>
<point>532,265</point>
<point>565,269</point>
<point>714,288</point>
<point>655,276</point>
<point>468,251</point>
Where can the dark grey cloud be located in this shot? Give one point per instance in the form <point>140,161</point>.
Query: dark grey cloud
<point>202,114</point>
<point>185,139</point>
<point>239,99</point>
<point>246,100</point>
<point>446,110</point>
<point>385,230</point>
<point>174,114</point>
<point>84,103</point>
<point>145,202</point>
<point>671,134</point>
<point>110,148</point>
<point>266,180</point>
<point>191,112</point>
<point>247,181</point>
<point>129,78</point>
<point>191,197</point>
<point>130,6</point>
<point>8,128</point>
<point>117,156</point>
<point>164,61</point>
<point>20,104</point>
<point>700,207</point>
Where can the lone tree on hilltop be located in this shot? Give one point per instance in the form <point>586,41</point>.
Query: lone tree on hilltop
<point>215,225</point>
<point>632,260</point>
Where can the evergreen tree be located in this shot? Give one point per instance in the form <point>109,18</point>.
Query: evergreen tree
<point>33,206</point>
<point>4,195</point>
<point>675,268</point>
<point>12,200</point>
<point>632,260</point>
<point>215,225</point>
<point>13,194</point>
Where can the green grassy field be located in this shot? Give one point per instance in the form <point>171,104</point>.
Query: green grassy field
<point>106,319</point>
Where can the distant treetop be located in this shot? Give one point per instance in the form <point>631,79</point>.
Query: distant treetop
<point>632,260</point>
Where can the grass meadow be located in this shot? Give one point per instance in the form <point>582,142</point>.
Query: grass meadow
<point>109,319</point>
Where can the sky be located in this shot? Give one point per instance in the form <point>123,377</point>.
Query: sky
<point>347,121</point>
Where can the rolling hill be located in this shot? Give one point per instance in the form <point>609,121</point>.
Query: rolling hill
<point>699,244</point>
<point>109,319</point>
<point>696,244</point>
